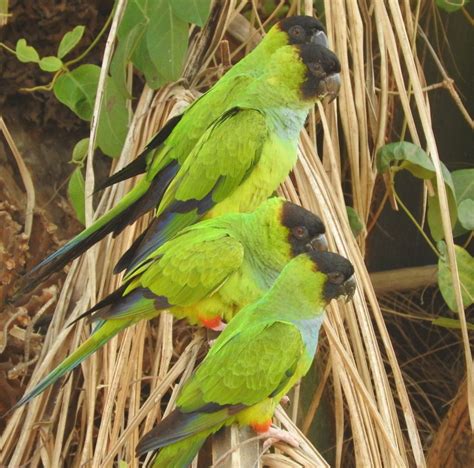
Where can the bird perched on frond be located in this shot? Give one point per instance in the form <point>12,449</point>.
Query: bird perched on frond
<point>227,153</point>
<point>262,353</point>
<point>205,274</point>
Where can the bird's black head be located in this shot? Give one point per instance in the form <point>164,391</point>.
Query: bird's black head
<point>303,30</point>
<point>340,274</point>
<point>323,68</point>
<point>306,230</point>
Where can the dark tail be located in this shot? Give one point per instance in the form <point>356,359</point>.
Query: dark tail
<point>144,197</point>
<point>122,312</point>
<point>180,435</point>
<point>139,164</point>
<point>166,226</point>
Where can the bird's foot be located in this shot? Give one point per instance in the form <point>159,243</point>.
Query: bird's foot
<point>275,435</point>
<point>213,323</point>
<point>285,401</point>
<point>220,327</point>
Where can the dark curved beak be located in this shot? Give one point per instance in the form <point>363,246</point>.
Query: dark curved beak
<point>320,38</point>
<point>348,288</point>
<point>329,87</point>
<point>319,243</point>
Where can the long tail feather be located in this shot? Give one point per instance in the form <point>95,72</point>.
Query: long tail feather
<point>136,167</point>
<point>180,426</point>
<point>122,313</point>
<point>144,197</point>
<point>139,164</point>
<point>99,337</point>
<point>161,230</point>
<point>181,454</point>
<point>84,240</point>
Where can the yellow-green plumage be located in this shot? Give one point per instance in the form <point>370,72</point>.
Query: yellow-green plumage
<point>244,155</point>
<point>227,153</point>
<point>206,274</point>
<point>263,352</point>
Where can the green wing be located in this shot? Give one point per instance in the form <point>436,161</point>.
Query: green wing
<point>247,367</point>
<point>221,160</point>
<point>190,267</point>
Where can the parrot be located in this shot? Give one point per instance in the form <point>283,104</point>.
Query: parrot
<point>234,165</point>
<point>207,273</point>
<point>263,352</point>
<point>195,120</point>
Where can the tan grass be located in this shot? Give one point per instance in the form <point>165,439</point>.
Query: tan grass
<point>97,417</point>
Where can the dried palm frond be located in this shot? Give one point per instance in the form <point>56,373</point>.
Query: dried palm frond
<point>97,417</point>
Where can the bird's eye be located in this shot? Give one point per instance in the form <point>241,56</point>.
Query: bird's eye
<point>316,68</point>
<point>300,232</point>
<point>297,31</point>
<point>336,277</point>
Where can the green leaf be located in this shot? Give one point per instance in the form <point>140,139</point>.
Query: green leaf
<point>405,155</point>
<point>70,40</point>
<point>75,192</point>
<point>356,224</point>
<point>113,120</point>
<point>451,5</point>
<point>434,211</point>
<point>466,214</point>
<point>192,11</point>
<point>410,156</point>
<point>446,322</point>
<point>78,88</point>
<point>135,14</point>
<point>50,64</point>
<point>123,54</point>
<point>26,53</point>
<point>167,40</point>
<point>142,60</point>
<point>463,180</point>
<point>160,51</point>
<point>465,264</point>
<point>79,153</point>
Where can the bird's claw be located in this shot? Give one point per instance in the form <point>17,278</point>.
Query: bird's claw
<point>220,327</point>
<point>285,401</point>
<point>275,435</point>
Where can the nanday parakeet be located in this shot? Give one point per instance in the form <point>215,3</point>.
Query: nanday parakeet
<point>207,273</point>
<point>230,134</point>
<point>247,152</point>
<point>197,118</point>
<point>262,353</point>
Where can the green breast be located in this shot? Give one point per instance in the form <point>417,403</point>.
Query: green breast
<point>277,160</point>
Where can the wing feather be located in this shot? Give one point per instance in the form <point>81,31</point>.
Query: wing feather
<point>250,366</point>
<point>192,266</point>
<point>221,160</point>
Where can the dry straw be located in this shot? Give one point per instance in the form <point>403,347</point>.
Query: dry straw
<point>97,417</point>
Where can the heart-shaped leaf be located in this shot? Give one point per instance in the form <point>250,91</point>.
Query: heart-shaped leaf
<point>463,180</point>
<point>78,88</point>
<point>451,5</point>
<point>192,11</point>
<point>79,153</point>
<point>405,155</point>
<point>70,40</point>
<point>166,40</point>
<point>75,190</point>
<point>26,53</point>
<point>465,264</point>
<point>50,64</point>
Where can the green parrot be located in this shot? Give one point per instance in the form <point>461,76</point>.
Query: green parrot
<point>255,361</point>
<point>207,273</point>
<point>233,165</point>
<point>197,118</point>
